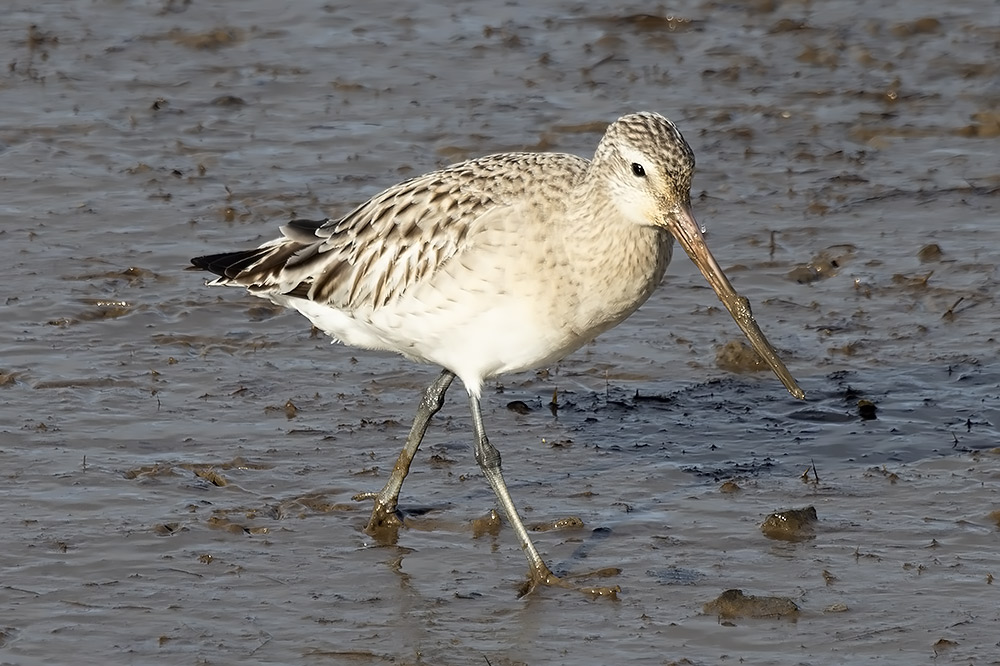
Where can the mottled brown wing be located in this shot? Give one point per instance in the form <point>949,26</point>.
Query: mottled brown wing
<point>395,240</point>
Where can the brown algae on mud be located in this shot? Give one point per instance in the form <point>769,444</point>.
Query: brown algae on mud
<point>202,470</point>
<point>734,604</point>
<point>867,410</point>
<point>729,487</point>
<point>826,264</point>
<point>791,525</point>
<point>489,524</point>
<point>738,357</point>
<point>567,523</point>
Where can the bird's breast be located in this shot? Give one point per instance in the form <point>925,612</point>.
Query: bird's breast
<point>614,275</point>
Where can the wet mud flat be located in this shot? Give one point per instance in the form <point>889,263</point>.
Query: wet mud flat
<point>249,544</point>
<point>179,462</point>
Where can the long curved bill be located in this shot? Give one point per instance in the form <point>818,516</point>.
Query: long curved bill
<point>685,229</point>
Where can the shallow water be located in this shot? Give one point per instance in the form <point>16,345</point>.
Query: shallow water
<point>164,502</point>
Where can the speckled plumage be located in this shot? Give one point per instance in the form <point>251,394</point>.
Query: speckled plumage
<point>498,264</point>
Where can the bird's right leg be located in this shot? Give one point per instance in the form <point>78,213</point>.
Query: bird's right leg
<point>384,512</point>
<point>539,573</point>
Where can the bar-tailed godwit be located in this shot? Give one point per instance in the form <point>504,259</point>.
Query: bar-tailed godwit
<point>496,265</point>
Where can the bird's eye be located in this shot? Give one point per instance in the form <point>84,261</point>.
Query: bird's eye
<point>638,170</point>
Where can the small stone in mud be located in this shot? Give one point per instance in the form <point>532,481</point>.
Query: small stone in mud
<point>944,644</point>
<point>734,604</point>
<point>737,356</point>
<point>791,525</point>
<point>867,409</point>
<point>838,607</point>
<point>518,407</point>
<point>730,487</point>
<point>570,522</point>
<point>931,252</point>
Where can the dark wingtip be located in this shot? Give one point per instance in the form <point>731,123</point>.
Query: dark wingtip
<point>227,264</point>
<point>231,264</point>
<point>201,263</point>
<point>214,263</point>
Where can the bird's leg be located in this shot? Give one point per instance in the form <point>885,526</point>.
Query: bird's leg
<point>488,458</point>
<point>384,512</point>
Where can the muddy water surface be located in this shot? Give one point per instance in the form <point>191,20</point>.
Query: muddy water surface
<point>178,462</point>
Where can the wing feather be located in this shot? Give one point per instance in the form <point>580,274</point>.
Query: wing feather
<point>395,240</point>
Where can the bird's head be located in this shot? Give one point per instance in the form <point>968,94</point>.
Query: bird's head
<point>647,167</point>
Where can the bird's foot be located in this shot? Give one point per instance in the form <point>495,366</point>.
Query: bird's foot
<point>385,520</point>
<point>542,575</point>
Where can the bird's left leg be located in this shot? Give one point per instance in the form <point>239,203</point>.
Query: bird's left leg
<point>384,512</point>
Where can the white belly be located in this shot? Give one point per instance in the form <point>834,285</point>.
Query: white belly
<point>501,310</point>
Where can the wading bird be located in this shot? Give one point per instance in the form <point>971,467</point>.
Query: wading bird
<point>500,264</point>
